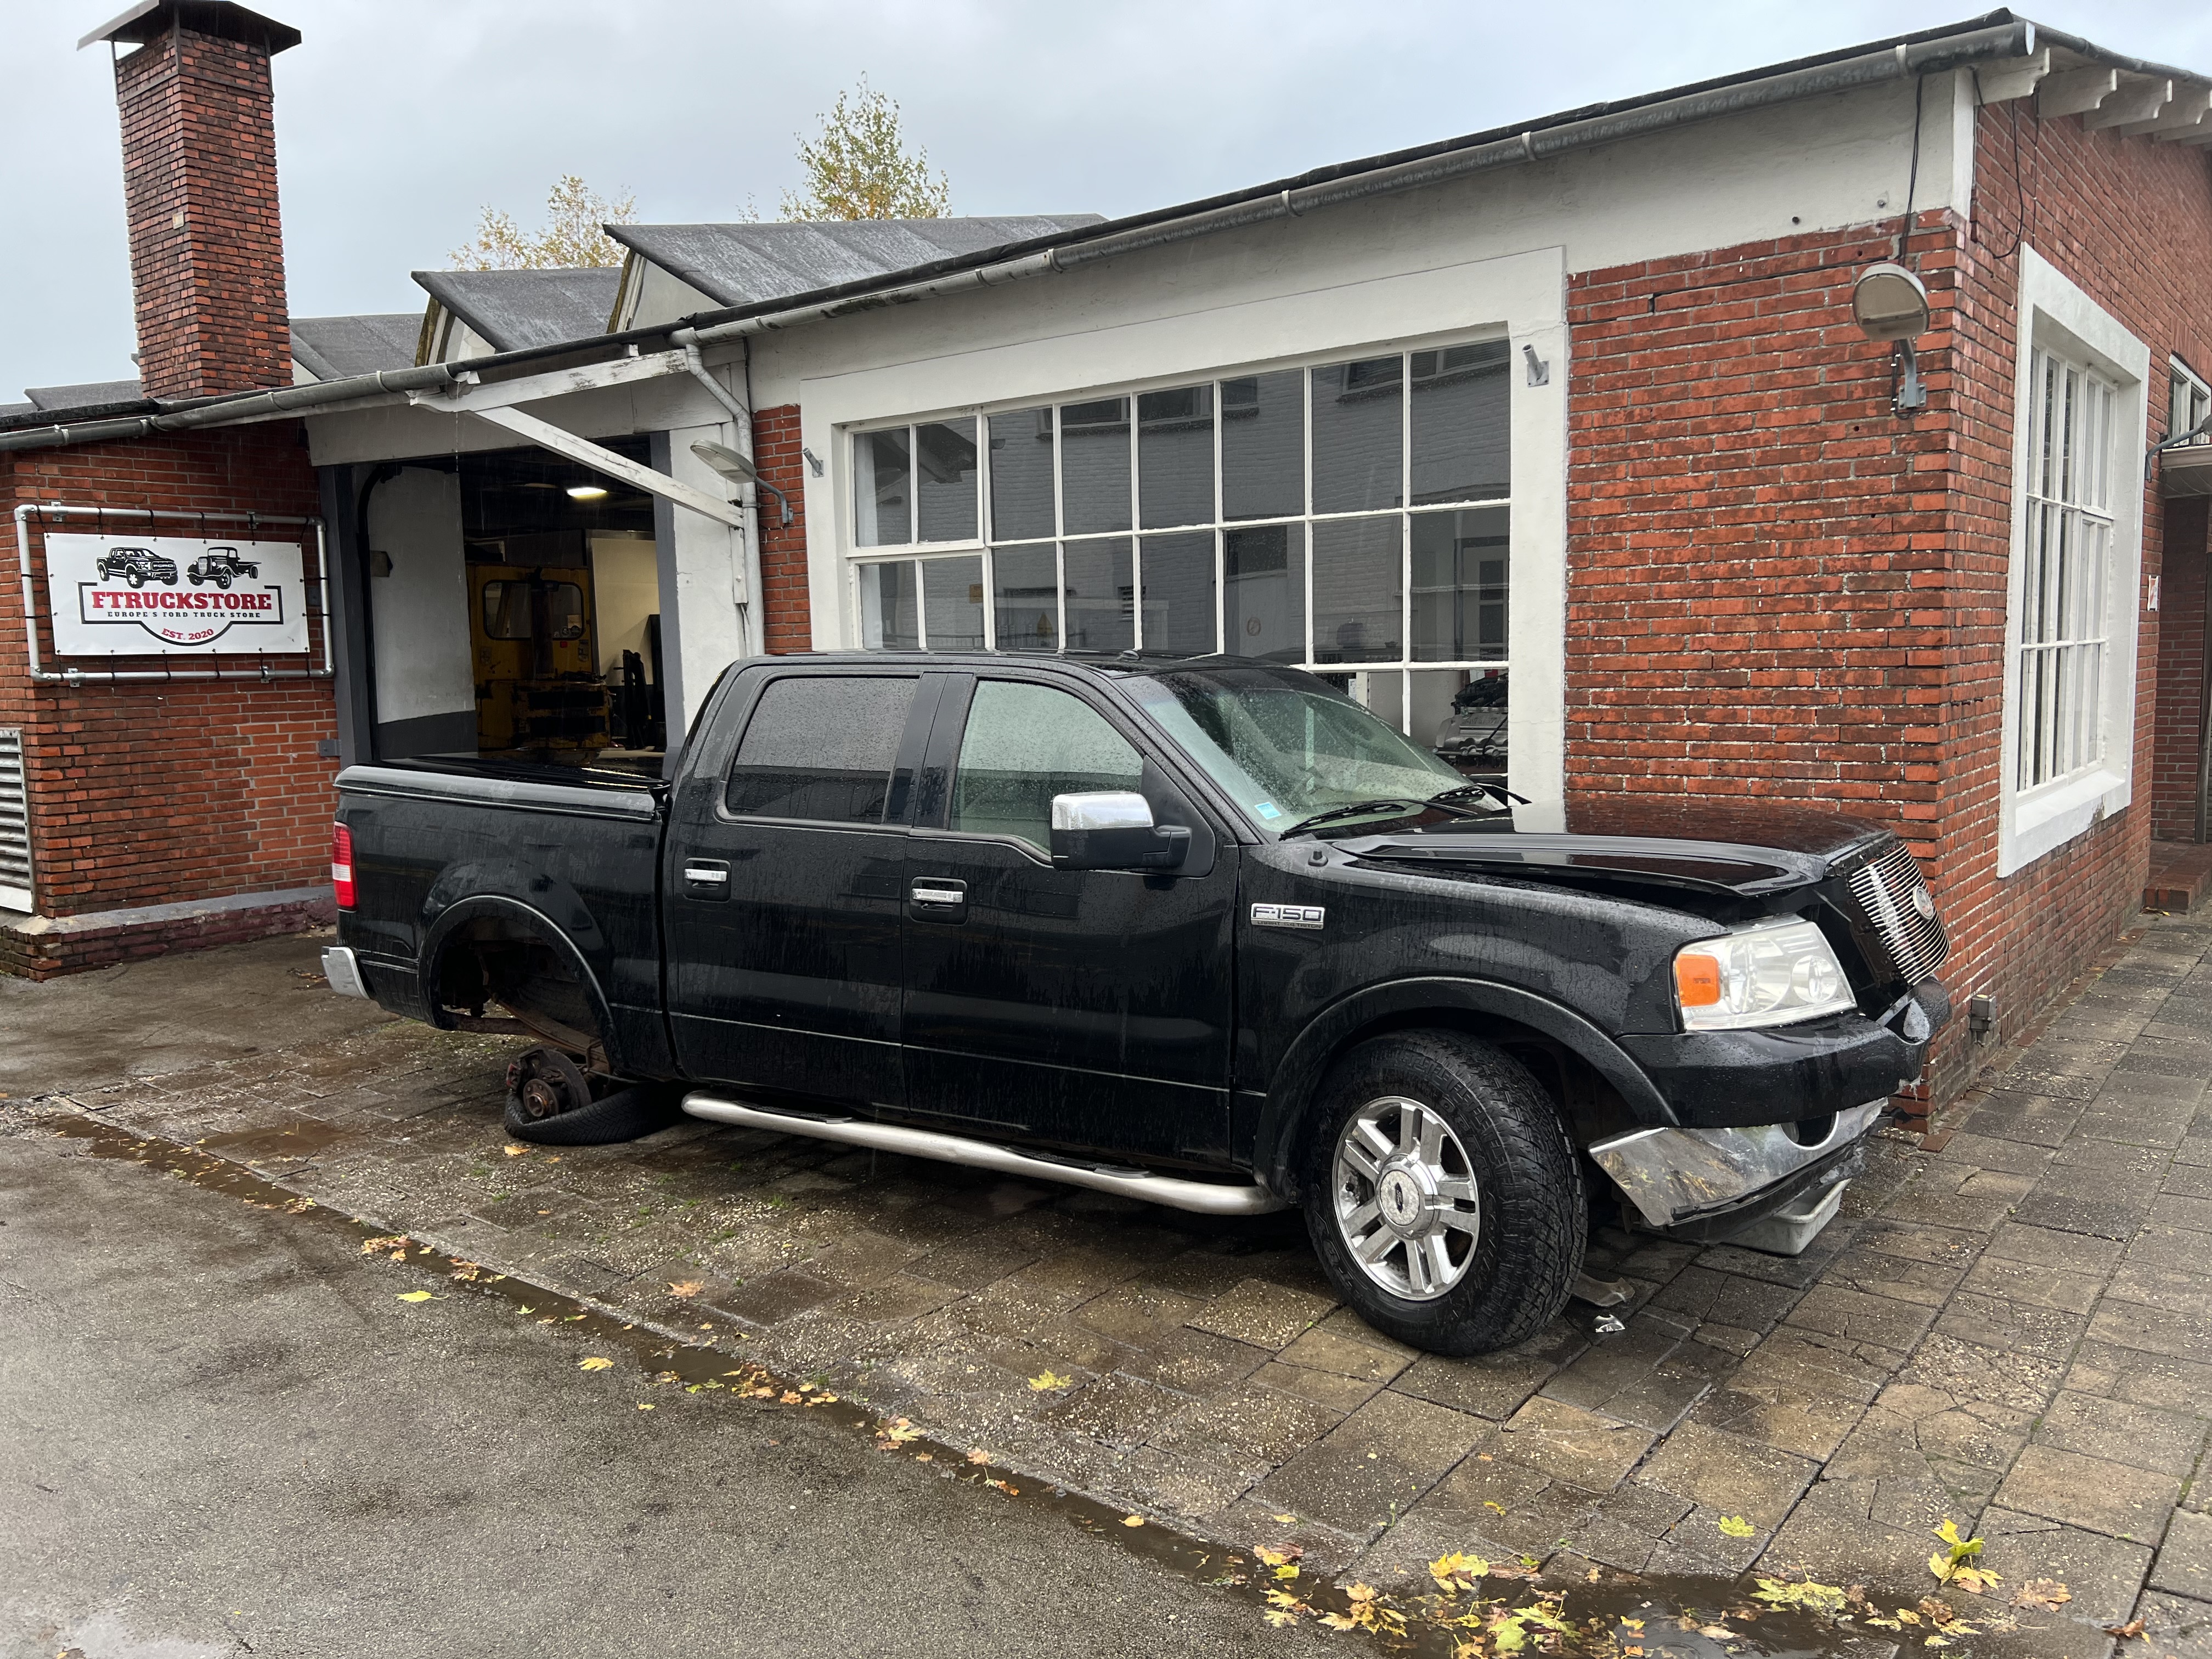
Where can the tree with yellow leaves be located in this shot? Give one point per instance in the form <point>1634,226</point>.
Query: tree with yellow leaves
<point>571,237</point>
<point>858,167</point>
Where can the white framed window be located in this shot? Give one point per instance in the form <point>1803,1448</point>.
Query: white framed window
<point>2072,603</point>
<point>1350,514</point>
<point>2189,400</point>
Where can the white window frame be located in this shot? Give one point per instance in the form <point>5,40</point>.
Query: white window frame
<point>1044,344</point>
<point>2187,382</point>
<point>1306,518</point>
<point>2057,318</point>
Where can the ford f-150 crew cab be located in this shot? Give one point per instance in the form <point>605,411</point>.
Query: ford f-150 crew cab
<point>1205,932</point>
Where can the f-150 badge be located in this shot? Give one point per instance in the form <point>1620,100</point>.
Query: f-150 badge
<point>1288,915</point>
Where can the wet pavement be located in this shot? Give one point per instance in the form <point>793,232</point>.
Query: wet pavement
<point>2007,1328</point>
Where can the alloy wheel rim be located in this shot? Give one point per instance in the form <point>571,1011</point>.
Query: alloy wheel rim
<point>1408,1206</point>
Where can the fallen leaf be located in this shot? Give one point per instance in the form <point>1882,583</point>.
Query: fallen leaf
<point>790,1397</point>
<point>377,1246</point>
<point>643,1406</point>
<point>1975,1581</point>
<point>514,1152</point>
<point>1280,1618</point>
<point>1284,1520</point>
<point>1010,1491</point>
<point>687,1288</point>
<point>2048,1594</point>
<point>979,1456</point>
<point>2130,1631</point>
<point>1734,1526</point>
<point>1492,1504</point>
<point>924,1457</point>
<point>1132,1520</point>
<point>897,1432</point>
<point>1457,1571</point>
<point>1046,1381</point>
<point>1716,1632</point>
<point>415,1295</point>
<point>595,1363</point>
<point>525,1311</point>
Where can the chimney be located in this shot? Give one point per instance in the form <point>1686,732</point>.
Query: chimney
<point>199,178</point>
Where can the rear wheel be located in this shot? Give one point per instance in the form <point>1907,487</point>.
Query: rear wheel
<point>1443,1195</point>
<point>551,1101</point>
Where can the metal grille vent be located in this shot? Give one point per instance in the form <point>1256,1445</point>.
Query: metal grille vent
<point>15,825</point>
<point>1893,895</point>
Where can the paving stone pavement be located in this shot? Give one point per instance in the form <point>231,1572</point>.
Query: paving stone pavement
<point>2011,1330</point>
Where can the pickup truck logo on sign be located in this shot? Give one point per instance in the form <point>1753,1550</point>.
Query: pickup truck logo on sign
<point>132,595</point>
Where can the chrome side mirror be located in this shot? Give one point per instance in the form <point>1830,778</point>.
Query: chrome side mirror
<point>1113,829</point>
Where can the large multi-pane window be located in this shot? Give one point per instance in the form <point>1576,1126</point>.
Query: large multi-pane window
<point>1351,516</point>
<point>2066,573</point>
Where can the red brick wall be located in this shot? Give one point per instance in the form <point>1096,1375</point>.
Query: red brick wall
<point>2176,750</point>
<point>207,250</point>
<point>786,608</point>
<point>1778,588</point>
<point>150,794</point>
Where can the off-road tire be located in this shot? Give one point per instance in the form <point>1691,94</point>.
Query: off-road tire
<point>1534,1210</point>
<point>628,1113</point>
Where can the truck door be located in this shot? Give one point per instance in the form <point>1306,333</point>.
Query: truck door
<point>1087,1008</point>
<point>784,889</point>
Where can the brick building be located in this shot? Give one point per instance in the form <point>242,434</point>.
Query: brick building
<point>1561,445</point>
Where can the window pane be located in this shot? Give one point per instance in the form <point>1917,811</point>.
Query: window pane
<point>1026,594</point>
<point>1025,745</point>
<point>1461,422</point>
<point>1265,569</point>
<point>953,590</point>
<point>945,460</point>
<point>1462,566</point>
<point>1357,435</point>
<point>888,619</point>
<point>1462,717</point>
<point>1179,593</point>
<point>1101,595</point>
<point>506,610</point>
<point>821,747</point>
<point>1174,458</point>
<point>1263,442</point>
<point>880,488</point>
<point>1021,474</point>
<point>1095,465</point>
<point>1357,585</point>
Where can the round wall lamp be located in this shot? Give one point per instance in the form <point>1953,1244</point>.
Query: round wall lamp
<point>1888,302</point>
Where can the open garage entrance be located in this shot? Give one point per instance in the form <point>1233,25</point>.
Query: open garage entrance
<point>513,608</point>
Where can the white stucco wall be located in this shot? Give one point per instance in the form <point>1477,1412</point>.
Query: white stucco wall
<point>419,614</point>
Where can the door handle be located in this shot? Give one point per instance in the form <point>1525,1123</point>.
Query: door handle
<point>940,892</point>
<point>705,878</point>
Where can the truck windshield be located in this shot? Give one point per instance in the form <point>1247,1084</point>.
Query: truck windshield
<point>1285,751</point>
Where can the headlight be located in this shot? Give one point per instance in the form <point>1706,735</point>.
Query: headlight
<point>1774,974</point>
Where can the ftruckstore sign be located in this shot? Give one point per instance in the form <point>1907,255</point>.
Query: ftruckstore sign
<point>128,595</point>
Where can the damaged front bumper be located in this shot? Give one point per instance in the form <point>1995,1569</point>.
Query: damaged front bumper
<point>1713,1183</point>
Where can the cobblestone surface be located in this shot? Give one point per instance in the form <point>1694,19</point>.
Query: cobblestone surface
<point>2013,1331</point>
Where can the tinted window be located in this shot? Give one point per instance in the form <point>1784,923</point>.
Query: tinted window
<point>1025,745</point>
<point>820,748</point>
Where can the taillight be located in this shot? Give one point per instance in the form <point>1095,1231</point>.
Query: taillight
<point>342,865</point>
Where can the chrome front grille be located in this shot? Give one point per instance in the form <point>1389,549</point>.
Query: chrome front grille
<point>1894,897</point>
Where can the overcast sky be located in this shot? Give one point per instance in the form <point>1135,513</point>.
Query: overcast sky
<point>396,120</point>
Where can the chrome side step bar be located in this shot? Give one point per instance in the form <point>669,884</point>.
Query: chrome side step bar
<point>1206,1197</point>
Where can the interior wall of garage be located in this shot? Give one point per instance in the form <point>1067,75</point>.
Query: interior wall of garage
<point>425,686</point>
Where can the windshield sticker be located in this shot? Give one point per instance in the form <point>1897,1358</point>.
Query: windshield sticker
<point>1267,809</point>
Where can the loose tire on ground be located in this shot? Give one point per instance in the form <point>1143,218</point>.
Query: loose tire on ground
<point>1427,1136</point>
<point>549,1101</point>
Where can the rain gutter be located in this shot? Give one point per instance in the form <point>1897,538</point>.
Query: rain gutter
<point>223,411</point>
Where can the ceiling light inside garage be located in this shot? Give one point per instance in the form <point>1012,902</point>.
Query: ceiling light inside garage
<point>587,492</point>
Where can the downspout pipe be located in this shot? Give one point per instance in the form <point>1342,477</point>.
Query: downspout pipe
<point>221,411</point>
<point>741,423</point>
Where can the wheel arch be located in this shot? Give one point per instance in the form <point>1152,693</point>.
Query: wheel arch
<point>495,920</point>
<point>1592,1081</point>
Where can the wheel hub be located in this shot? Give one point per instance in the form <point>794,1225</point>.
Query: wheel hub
<point>1407,1204</point>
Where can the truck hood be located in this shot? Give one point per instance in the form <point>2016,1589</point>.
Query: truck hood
<point>1742,847</point>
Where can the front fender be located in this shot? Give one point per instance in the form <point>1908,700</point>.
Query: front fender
<point>1290,1094</point>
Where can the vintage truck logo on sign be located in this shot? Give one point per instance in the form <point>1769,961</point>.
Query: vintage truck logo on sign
<point>132,595</point>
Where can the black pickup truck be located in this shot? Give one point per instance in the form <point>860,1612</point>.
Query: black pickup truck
<point>1203,932</point>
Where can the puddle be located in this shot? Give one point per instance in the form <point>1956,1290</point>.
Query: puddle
<point>1474,1610</point>
<point>297,1137</point>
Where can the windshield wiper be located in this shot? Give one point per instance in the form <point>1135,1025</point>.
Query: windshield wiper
<point>1351,810</point>
<point>1498,792</point>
